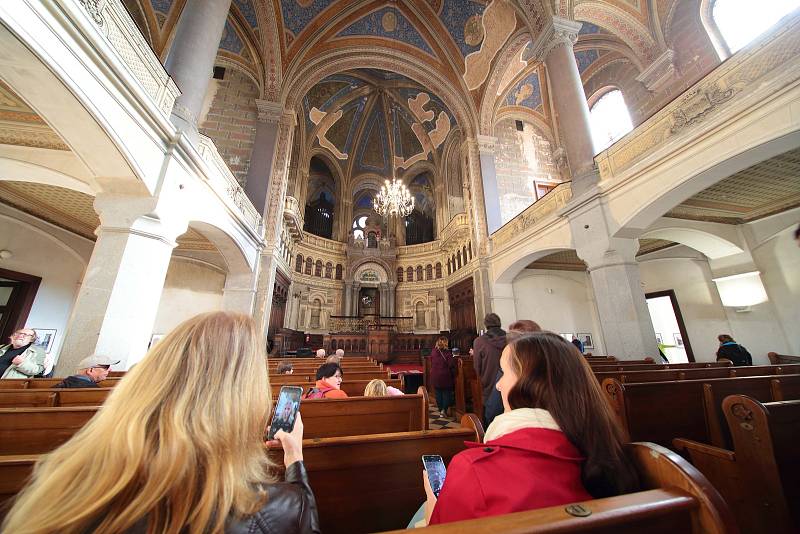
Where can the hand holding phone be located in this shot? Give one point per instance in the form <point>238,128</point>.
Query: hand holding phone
<point>286,410</point>
<point>436,472</point>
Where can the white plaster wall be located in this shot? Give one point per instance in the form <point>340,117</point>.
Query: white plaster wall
<point>779,262</point>
<point>37,252</point>
<point>191,288</point>
<point>560,301</point>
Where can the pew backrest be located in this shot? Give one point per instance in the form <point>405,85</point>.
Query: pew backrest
<point>39,430</point>
<point>353,388</point>
<point>25,398</point>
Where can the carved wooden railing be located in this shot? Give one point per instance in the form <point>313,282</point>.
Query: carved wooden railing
<point>773,55</point>
<point>345,324</point>
<point>544,207</point>
<point>222,180</point>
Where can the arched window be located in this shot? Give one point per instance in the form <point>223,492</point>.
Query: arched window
<point>449,267</point>
<point>399,274</point>
<point>358,227</point>
<point>372,240</point>
<point>438,270</point>
<point>609,119</point>
<point>409,274</point>
<point>453,260</point>
<point>458,259</point>
<point>319,216</point>
<point>339,271</point>
<point>419,273</point>
<point>298,264</point>
<point>309,266</point>
<point>464,254</point>
<point>419,312</point>
<point>328,270</point>
<point>741,22</point>
<point>470,250</point>
<point>429,272</point>
<point>318,268</point>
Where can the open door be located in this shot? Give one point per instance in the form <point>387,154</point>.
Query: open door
<point>668,324</point>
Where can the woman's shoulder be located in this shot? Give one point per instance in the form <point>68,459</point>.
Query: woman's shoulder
<point>284,511</point>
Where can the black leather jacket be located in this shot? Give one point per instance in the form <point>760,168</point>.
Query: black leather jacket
<point>291,508</point>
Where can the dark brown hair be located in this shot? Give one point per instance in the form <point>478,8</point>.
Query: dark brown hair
<point>724,338</point>
<point>552,378</point>
<point>327,370</point>
<point>521,327</point>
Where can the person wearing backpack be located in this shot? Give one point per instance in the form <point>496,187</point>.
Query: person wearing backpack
<point>730,350</point>
<point>329,383</point>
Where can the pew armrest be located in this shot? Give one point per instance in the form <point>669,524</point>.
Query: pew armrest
<point>471,421</point>
<point>692,447</point>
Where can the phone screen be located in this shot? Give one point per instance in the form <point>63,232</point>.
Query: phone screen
<point>285,410</point>
<point>434,467</point>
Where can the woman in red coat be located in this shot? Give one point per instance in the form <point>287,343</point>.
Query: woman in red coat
<point>442,370</point>
<point>555,443</point>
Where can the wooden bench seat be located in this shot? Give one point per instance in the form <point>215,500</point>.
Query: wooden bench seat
<point>26,398</point>
<point>662,411</point>
<point>675,497</point>
<point>469,396</point>
<point>759,476</point>
<point>361,483</point>
<point>40,430</point>
<point>275,378</point>
<point>353,388</point>
<point>657,366</point>
<point>45,383</point>
<point>662,375</point>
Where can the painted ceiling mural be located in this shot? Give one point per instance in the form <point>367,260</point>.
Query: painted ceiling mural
<point>373,120</point>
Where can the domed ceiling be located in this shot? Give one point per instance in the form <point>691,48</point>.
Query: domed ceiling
<point>368,119</point>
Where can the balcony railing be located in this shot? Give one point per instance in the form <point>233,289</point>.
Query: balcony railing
<point>224,183</point>
<point>130,45</point>
<point>293,217</point>
<point>517,227</point>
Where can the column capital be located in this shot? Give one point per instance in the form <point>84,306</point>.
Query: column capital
<point>659,73</point>
<point>487,144</point>
<point>557,32</point>
<point>274,113</point>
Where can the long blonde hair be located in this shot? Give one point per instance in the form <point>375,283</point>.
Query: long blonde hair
<point>376,388</point>
<point>178,442</point>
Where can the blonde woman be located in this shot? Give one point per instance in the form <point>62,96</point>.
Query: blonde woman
<point>177,447</point>
<point>378,388</point>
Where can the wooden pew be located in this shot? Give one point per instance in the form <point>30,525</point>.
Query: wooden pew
<point>361,483</point>
<point>353,388</point>
<point>311,377</point>
<point>46,383</point>
<point>760,476</point>
<point>465,377</point>
<point>783,390</point>
<point>24,398</point>
<point>82,397</point>
<point>662,411</point>
<point>662,375</point>
<point>374,483</point>
<point>12,383</point>
<point>776,358</point>
<point>657,366</point>
<point>644,361</point>
<point>39,430</point>
<point>675,498</point>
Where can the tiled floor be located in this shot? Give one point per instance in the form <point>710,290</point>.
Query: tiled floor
<point>438,423</point>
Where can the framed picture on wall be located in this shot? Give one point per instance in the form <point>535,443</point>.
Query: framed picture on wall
<point>678,340</point>
<point>567,336</point>
<point>586,339</point>
<point>155,338</point>
<point>45,338</point>
<point>659,339</point>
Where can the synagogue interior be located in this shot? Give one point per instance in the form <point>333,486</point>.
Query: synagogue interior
<point>371,175</point>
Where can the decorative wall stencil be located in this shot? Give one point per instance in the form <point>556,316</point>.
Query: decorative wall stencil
<point>417,106</point>
<point>584,58</point>
<point>298,14</point>
<point>499,21</point>
<point>527,92</point>
<point>462,18</point>
<point>231,41</point>
<point>248,12</point>
<point>324,121</point>
<point>388,23</point>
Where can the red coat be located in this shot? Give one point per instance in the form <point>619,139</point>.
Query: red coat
<point>523,470</point>
<point>442,369</point>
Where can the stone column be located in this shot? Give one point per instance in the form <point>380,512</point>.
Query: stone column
<point>474,196</point>
<point>191,57</point>
<point>392,295</point>
<point>118,299</point>
<point>354,301</point>
<point>570,101</point>
<point>491,194</point>
<point>348,297</point>
<point>258,174</point>
<point>287,317</point>
<point>239,292</point>
<point>295,319</point>
<point>503,302</point>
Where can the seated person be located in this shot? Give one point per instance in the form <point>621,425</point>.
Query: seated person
<point>285,368</point>
<point>329,383</point>
<point>730,350</point>
<point>378,388</point>
<point>321,353</point>
<point>173,461</point>
<point>21,358</point>
<point>334,358</point>
<point>91,370</point>
<point>556,442</point>
<point>340,353</point>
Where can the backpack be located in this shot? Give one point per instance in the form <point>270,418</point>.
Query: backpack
<point>316,393</point>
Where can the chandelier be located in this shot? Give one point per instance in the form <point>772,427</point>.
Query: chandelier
<point>393,199</point>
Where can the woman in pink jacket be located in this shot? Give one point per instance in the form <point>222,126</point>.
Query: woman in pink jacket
<point>555,443</point>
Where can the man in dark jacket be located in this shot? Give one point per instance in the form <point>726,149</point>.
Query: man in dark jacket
<point>486,355</point>
<point>732,351</point>
<point>91,370</point>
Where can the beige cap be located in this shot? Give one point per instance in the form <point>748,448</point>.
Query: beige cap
<point>96,360</point>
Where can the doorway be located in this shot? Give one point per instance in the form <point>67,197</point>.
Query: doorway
<point>670,331</point>
<point>17,291</point>
<point>369,301</point>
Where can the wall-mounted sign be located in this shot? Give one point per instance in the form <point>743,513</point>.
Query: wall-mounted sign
<point>369,276</point>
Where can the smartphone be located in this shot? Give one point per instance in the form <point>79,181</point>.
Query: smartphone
<point>285,410</point>
<point>434,467</point>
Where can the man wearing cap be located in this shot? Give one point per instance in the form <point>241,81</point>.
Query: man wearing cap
<point>21,359</point>
<point>91,370</point>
